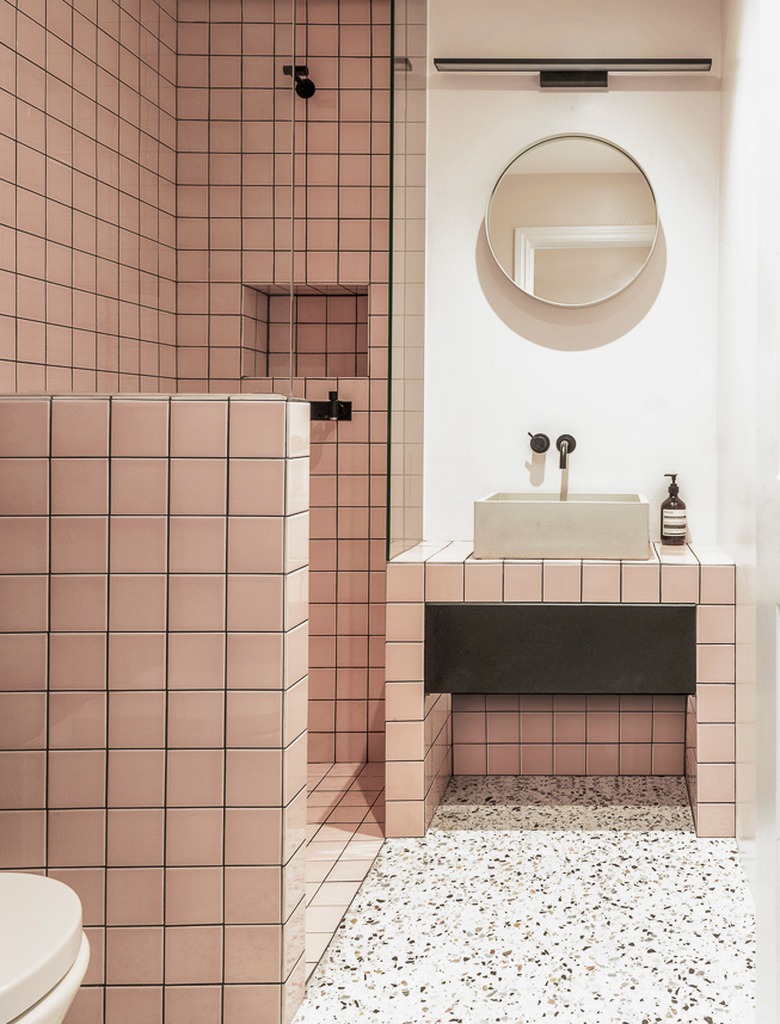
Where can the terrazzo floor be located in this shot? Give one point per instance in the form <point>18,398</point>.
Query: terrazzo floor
<point>541,899</point>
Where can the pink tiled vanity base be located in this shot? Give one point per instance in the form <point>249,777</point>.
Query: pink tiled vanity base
<point>507,734</point>
<point>431,736</point>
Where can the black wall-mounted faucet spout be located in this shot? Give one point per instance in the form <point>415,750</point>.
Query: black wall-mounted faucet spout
<point>565,445</point>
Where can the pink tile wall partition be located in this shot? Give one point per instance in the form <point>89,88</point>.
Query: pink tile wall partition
<point>88,197</point>
<point>153,692</point>
<point>541,735</point>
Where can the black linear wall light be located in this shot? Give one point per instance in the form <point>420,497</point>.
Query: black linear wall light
<point>577,72</point>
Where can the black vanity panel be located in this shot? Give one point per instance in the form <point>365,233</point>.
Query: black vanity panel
<point>560,648</point>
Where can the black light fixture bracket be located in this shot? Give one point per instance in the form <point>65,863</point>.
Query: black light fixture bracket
<point>573,80</point>
<point>332,410</point>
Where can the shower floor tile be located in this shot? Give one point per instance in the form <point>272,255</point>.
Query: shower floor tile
<point>345,812</point>
<point>546,899</point>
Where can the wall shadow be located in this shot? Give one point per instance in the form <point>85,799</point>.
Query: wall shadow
<point>570,330</point>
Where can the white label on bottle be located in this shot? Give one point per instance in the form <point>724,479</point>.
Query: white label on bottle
<point>675,522</point>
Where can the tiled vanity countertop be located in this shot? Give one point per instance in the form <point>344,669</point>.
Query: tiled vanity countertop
<point>684,575</point>
<point>418,726</point>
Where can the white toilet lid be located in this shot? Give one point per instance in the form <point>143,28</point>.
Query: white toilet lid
<point>40,935</point>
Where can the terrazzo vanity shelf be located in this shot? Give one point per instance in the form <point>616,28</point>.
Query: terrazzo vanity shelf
<point>664,734</point>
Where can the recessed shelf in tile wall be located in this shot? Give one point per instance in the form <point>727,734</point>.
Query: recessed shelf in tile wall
<point>311,330</point>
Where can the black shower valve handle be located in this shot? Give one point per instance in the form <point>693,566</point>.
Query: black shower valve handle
<point>333,409</point>
<point>539,442</point>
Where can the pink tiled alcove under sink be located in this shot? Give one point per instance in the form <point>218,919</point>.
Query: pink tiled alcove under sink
<point>431,736</point>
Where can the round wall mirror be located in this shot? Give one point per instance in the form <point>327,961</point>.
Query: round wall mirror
<point>572,220</point>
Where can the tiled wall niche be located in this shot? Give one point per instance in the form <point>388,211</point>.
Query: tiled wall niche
<point>88,196</point>
<point>317,331</point>
<point>420,727</point>
<point>153,692</point>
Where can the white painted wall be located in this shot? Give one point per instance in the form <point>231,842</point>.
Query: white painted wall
<point>681,373</point>
<point>748,443</point>
<point>634,379</point>
<point>737,363</point>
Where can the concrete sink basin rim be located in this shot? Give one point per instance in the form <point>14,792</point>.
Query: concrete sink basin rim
<point>553,498</point>
<point>547,525</point>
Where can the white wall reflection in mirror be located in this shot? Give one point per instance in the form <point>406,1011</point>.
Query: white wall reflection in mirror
<point>572,220</point>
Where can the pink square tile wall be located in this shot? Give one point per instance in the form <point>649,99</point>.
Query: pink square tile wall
<point>241,226</point>
<point>347,553</point>
<point>600,735</point>
<point>237,217</point>
<point>546,734</point>
<point>88,208</point>
<point>152,733</point>
<point>254,337</point>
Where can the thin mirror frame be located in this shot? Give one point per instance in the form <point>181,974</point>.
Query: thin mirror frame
<point>568,136</point>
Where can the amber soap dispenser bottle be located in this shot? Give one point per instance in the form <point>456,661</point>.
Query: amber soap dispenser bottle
<point>674,517</point>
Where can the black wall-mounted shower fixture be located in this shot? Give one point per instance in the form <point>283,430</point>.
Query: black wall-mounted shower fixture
<point>303,84</point>
<point>332,410</point>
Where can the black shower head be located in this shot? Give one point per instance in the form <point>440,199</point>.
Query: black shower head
<point>303,84</point>
<point>304,87</point>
